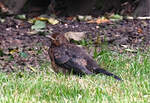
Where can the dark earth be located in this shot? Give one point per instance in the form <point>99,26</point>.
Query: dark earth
<point>21,50</point>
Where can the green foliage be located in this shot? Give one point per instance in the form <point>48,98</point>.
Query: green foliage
<point>10,58</point>
<point>1,53</point>
<point>23,16</point>
<point>38,25</point>
<point>23,54</point>
<point>116,17</point>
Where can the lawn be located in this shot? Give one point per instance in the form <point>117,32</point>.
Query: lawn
<point>45,86</point>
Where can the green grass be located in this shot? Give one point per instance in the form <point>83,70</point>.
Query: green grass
<point>47,87</point>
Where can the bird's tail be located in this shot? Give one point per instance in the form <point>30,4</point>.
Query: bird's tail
<point>103,71</point>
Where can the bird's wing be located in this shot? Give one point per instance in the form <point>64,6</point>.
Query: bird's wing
<point>64,53</point>
<point>77,65</point>
<point>70,58</point>
<point>80,53</point>
<point>60,55</point>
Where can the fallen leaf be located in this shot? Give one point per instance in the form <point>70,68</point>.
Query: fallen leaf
<point>23,17</point>
<point>99,20</point>
<point>77,36</point>
<point>84,18</point>
<point>140,31</point>
<point>38,25</point>
<point>125,46</point>
<point>115,17</point>
<point>80,17</point>
<point>12,51</point>
<point>41,18</point>
<point>33,69</point>
<point>32,32</point>
<point>23,54</point>
<point>144,23</point>
<point>2,20</point>
<point>102,20</point>
<point>130,50</point>
<point>50,20</point>
<point>53,21</point>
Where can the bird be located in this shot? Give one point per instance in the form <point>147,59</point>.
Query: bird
<point>70,58</point>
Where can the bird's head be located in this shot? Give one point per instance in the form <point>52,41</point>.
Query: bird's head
<point>58,39</point>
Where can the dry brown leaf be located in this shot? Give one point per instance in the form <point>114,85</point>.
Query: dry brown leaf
<point>99,20</point>
<point>50,20</point>
<point>140,31</point>
<point>77,36</point>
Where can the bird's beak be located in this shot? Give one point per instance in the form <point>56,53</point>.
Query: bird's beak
<point>49,36</point>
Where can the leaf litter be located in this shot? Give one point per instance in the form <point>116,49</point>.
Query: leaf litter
<point>19,50</point>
